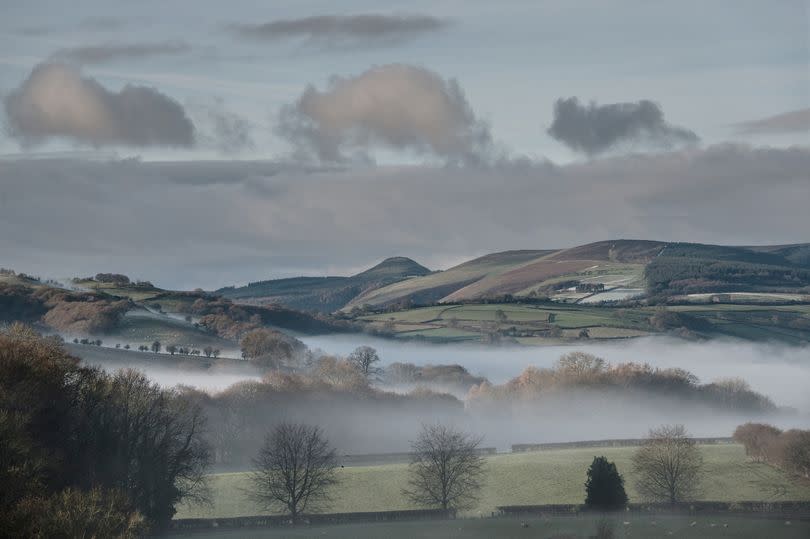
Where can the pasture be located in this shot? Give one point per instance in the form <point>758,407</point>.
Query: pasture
<point>541,477</point>
<point>557,322</point>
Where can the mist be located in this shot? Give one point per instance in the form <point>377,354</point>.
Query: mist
<point>361,423</point>
<point>778,371</point>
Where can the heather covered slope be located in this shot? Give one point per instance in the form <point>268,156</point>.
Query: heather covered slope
<point>434,287</point>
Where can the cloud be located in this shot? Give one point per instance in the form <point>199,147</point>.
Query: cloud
<point>212,223</point>
<point>113,52</point>
<point>57,101</point>
<point>220,128</point>
<point>594,129</point>
<point>330,31</point>
<point>795,121</point>
<point>398,107</point>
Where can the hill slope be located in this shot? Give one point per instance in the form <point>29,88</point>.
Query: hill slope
<point>436,286</point>
<point>607,271</point>
<point>325,294</point>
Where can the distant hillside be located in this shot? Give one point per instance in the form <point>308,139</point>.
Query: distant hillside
<point>138,313</point>
<point>325,294</point>
<point>607,271</point>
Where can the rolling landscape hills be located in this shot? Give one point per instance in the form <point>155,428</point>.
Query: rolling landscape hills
<point>612,289</point>
<point>604,272</point>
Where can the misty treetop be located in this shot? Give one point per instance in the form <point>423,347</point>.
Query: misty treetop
<point>580,371</point>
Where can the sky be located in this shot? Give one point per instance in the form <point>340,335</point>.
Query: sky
<point>207,143</point>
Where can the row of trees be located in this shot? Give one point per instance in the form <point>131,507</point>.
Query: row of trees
<point>81,449</point>
<point>296,470</point>
<point>788,450</point>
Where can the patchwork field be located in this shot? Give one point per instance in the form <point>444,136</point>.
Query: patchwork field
<point>543,477</point>
<point>557,322</point>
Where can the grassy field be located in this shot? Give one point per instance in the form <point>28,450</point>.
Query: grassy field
<point>529,324</point>
<point>544,477</point>
<point>650,527</point>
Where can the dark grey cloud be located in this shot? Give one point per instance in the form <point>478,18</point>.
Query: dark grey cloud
<point>114,52</point>
<point>593,129</point>
<point>57,101</point>
<point>399,107</point>
<point>220,222</point>
<point>795,121</point>
<point>343,30</point>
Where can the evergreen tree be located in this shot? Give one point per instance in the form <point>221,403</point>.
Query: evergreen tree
<point>604,488</point>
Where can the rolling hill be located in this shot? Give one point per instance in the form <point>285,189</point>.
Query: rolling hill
<point>607,271</point>
<point>601,272</point>
<point>325,294</point>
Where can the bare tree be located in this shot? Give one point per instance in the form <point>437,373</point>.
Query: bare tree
<point>446,469</point>
<point>364,358</point>
<point>294,470</point>
<point>668,465</point>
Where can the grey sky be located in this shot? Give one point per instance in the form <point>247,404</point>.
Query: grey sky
<point>727,71</point>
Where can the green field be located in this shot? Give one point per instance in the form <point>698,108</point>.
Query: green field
<point>625,526</point>
<point>529,324</point>
<point>543,477</point>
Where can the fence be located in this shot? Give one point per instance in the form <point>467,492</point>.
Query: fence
<point>192,524</point>
<point>625,442</point>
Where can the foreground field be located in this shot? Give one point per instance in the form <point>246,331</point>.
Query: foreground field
<point>650,527</point>
<point>544,477</point>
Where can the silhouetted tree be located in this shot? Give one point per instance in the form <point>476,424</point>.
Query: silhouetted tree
<point>208,351</point>
<point>604,488</point>
<point>171,349</point>
<point>294,470</point>
<point>156,346</point>
<point>446,470</point>
<point>364,359</point>
<point>668,465</point>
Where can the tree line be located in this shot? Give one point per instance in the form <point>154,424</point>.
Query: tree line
<point>785,449</point>
<point>80,449</point>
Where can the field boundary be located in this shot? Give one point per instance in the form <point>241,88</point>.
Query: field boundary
<point>623,442</point>
<point>795,510</point>
<point>272,521</point>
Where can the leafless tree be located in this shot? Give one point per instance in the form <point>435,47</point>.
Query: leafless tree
<point>364,358</point>
<point>294,470</point>
<point>668,465</point>
<point>446,469</point>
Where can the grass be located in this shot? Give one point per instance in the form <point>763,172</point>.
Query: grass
<point>651,527</point>
<point>543,477</point>
<point>453,322</point>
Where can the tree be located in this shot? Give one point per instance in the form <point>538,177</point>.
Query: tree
<point>215,353</point>
<point>446,470</point>
<point>270,348</point>
<point>116,432</point>
<point>294,470</point>
<point>156,346</point>
<point>604,488</point>
<point>208,351</point>
<point>757,438</point>
<point>171,349</point>
<point>668,465</point>
<point>364,359</point>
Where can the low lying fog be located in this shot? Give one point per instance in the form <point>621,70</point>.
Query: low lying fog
<point>780,372</point>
